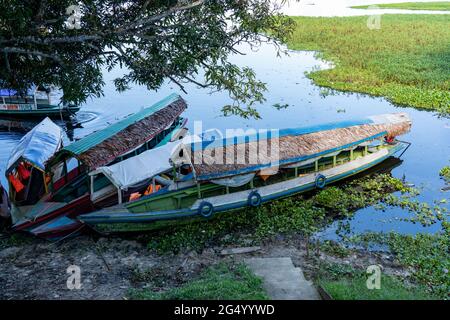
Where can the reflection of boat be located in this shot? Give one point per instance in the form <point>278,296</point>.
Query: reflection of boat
<point>55,181</point>
<point>21,126</point>
<point>33,104</point>
<point>199,178</point>
<point>385,167</point>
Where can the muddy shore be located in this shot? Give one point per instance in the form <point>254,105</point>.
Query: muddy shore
<point>111,267</point>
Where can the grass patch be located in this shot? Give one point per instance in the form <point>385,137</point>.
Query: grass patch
<point>407,60</point>
<point>437,5</point>
<point>219,282</point>
<point>334,248</point>
<point>346,283</point>
<point>296,214</point>
<point>426,255</point>
<point>445,173</point>
<point>15,239</point>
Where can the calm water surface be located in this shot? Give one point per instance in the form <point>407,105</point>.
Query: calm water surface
<point>307,105</point>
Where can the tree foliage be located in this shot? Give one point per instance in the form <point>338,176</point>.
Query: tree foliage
<point>68,44</point>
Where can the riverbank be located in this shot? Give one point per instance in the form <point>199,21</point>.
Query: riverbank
<point>189,261</point>
<point>124,269</point>
<point>406,60</point>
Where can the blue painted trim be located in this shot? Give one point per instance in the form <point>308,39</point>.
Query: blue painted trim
<point>168,137</point>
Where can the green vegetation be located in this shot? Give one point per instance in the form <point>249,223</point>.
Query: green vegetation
<point>334,248</point>
<point>437,5</point>
<point>407,60</point>
<point>445,173</point>
<point>422,212</point>
<point>15,239</point>
<point>426,255</point>
<point>347,283</point>
<point>294,214</point>
<point>220,282</point>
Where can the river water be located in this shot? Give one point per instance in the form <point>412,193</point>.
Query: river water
<point>307,104</point>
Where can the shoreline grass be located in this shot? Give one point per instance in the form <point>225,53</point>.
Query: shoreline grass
<point>344,282</point>
<point>220,282</point>
<point>435,6</point>
<point>407,60</point>
<point>425,255</point>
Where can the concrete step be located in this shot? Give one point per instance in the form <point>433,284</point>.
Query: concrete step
<point>282,280</point>
<point>262,262</point>
<point>280,274</point>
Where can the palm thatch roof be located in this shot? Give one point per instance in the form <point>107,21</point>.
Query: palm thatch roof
<point>103,146</point>
<point>292,145</point>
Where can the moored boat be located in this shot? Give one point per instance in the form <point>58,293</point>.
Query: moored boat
<point>35,103</point>
<point>197,178</point>
<point>65,189</point>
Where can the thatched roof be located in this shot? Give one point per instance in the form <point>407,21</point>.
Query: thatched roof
<point>102,147</point>
<point>291,148</point>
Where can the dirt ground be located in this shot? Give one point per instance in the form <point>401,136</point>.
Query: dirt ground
<point>110,267</point>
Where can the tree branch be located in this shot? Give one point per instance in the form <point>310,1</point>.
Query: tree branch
<point>160,16</point>
<point>33,53</point>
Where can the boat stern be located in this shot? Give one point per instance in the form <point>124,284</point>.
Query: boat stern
<point>396,123</point>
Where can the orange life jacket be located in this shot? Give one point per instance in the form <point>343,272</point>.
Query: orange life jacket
<point>16,183</point>
<point>150,190</point>
<point>24,173</point>
<point>135,196</point>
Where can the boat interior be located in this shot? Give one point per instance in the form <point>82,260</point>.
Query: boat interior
<point>27,184</point>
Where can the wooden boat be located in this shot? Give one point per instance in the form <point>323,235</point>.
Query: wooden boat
<point>35,103</point>
<point>187,185</point>
<point>60,187</point>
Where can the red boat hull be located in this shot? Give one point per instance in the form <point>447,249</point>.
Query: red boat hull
<point>72,209</point>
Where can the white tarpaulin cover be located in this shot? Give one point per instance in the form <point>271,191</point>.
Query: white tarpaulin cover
<point>38,145</point>
<point>141,167</point>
